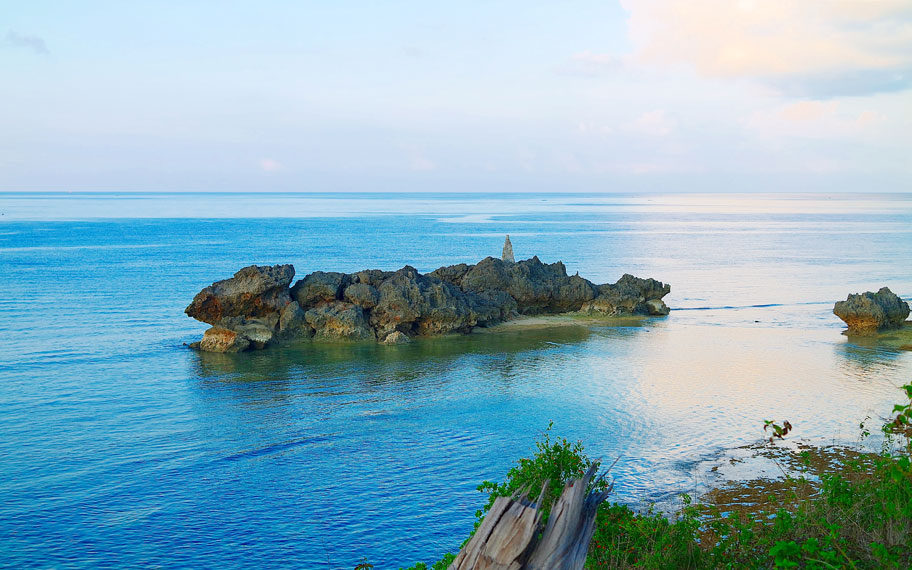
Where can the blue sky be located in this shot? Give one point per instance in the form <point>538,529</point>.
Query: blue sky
<point>638,95</point>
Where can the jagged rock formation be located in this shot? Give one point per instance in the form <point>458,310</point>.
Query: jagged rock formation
<point>256,307</point>
<point>868,313</point>
<point>507,254</point>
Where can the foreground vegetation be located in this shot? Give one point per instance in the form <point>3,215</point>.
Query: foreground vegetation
<point>833,508</point>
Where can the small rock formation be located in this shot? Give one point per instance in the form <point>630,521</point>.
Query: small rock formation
<point>396,337</point>
<point>255,305</point>
<point>257,308</point>
<point>868,313</point>
<point>630,295</point>
<point>223,340</point>
<point>507,254</point>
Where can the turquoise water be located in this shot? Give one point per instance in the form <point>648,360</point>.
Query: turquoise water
<point>119,447</point>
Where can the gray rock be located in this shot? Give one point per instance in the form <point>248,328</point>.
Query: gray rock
<point>507,254</point>
<point>868,313</point>
<point>629,296</point>
<point>645,288</point>
<point>372,277</point>
<point>571,295</point>
<point>396,337</point>
<point>338,320</point>
<point>259,333</point>
<point>362,294</point>
<point>493,307</point>
<point>657,307</point>
<point>318,287</point>
<point>609,305</point>
<point>489,274</point>
<point>451,273</point>
<point>293,324</point>
<point>420,304</point>
<point>535,287</point>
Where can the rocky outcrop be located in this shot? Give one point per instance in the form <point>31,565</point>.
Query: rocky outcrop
<point>257,308</point>
<point>253,292</point>
<point>868,313</point>
<point>630,296</point>
<point>251,310</point>
<point>417,304</point>
<point>532,286</point>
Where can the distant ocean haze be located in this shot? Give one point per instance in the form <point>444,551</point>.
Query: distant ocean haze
<point>123,448</point>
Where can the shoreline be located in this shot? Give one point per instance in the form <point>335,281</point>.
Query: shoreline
<point>537,322</point>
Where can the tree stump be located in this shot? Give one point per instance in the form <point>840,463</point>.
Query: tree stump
<point>511,538</point>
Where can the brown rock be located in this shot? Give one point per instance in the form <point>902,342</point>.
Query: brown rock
<point>254,291</point>
<point>868,313</point>
<point>223,340</point>
<point>338,320</point>
<point>396,337</point>
<point>657,307</point>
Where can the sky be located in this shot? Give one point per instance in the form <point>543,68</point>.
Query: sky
<point>499,96</point>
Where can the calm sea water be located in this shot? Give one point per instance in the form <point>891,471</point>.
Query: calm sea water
<point>121,448</point>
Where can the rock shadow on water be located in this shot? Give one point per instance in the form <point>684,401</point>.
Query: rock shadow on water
<point>321,362</point>
<point>877,332</point>
<point>868,357</point>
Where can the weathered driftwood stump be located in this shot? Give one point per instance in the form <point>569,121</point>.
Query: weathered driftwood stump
<point>511,538</point>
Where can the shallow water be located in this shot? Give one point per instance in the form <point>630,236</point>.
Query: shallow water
<point>119,447</point>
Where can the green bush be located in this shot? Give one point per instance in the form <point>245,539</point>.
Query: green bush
<point>556,461</point>
<point>857,517</point>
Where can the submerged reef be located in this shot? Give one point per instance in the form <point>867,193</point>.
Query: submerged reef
<point>259,306</point>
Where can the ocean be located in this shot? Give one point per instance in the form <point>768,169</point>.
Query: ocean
<point>122,448</point>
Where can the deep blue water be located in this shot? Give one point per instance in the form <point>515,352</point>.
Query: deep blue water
<point>121,448</point>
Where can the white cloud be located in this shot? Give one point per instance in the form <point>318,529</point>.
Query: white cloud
<point>814,120</point>
<point>807,111</point>
<point>590,64</point>
<point>817,47</point>
<point>655,123</point>
<point>591,127</point>
<point>270,165</point>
